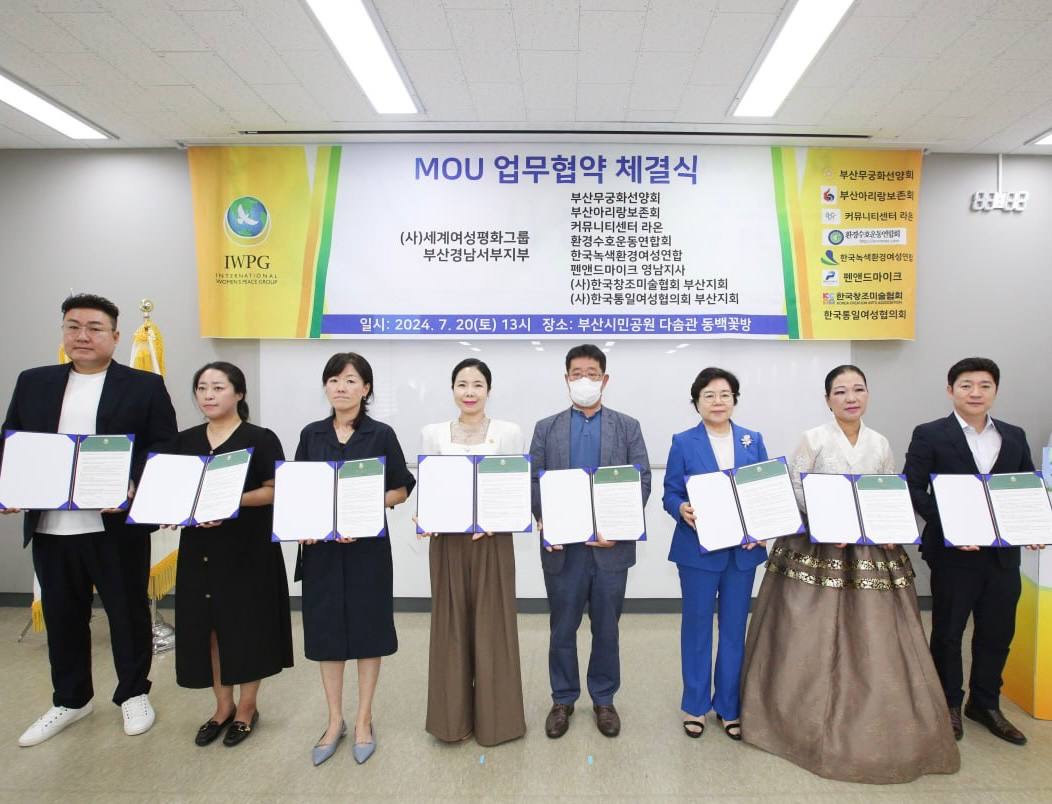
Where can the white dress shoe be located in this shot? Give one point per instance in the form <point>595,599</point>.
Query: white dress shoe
<point>138,715</point>
<point>52,722</point>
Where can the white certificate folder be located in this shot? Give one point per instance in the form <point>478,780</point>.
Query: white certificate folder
<point>859,509</point>
<point>751,503</point>
<point>1003,510</point>
<point>473,494</point>
<point>577,505</point>
<point>325,500</point>
<point>65,472</point>
<point>187,490</point>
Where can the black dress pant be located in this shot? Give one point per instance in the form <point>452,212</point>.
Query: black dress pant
<point>117,565</point>
<point>989,593</point>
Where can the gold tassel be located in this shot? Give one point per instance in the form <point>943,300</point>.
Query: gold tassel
<point>148,344</point>
<point>37,613</point>
<point>162,576</point>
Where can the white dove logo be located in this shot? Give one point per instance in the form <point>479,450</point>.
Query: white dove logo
<point>243,218</point>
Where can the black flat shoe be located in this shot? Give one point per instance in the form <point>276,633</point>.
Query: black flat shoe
<point>240,731</point>
<point>732,730</point>
<point>206,735</point>
<point>690,725</point>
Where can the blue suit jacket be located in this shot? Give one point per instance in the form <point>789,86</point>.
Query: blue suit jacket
<point>692,454</point>
<point>620,443</point>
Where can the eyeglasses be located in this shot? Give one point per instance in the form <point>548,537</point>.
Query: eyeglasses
<point>712,396</point>
<point>593,375</point>
<point>93,330</point>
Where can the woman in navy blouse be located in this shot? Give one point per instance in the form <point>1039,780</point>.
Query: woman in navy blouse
<point>348,594</point>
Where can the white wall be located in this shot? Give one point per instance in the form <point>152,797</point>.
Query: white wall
<point>120,224</point>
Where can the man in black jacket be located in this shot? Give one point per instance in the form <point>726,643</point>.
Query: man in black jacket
<point>975,581</point>
<point>76,551</point>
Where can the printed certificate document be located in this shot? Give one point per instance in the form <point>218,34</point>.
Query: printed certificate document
<point>190,489</point>
<point>59,471</point>
<point>859,509</point>
<point>1002,510</point>
<point>587,503</point>
<point>747,504</point>
<point>473,494</point>
<point>323,500</point>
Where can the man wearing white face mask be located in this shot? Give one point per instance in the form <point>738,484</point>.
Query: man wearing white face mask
<point>594,573</point>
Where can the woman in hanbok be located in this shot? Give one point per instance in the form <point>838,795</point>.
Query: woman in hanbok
<point>838,677</point>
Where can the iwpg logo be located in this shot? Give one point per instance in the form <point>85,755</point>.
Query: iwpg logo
<point>247,221</point>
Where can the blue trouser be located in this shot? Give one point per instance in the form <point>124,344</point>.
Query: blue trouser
<point>582,583</point>
<point>701,588</point>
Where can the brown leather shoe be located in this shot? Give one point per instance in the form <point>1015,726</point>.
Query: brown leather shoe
<point>955,722</point>
<point>558,720</point>
<point>996,722</point>
<point>607,720</point>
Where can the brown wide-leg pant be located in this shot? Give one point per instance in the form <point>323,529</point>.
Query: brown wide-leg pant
<point>474,681</point>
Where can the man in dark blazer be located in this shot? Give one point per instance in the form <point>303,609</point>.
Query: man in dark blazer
<point>76,551</point>
<point>593,574</point>
<point>971,581</point>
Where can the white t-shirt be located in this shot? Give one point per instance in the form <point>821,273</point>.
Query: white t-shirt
<point>723,448</point>
<point>80,409</point>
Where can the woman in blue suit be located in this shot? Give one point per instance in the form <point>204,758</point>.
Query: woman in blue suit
<point>705,577</point>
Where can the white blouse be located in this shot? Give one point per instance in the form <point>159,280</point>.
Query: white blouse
<point>826,449</point>
<point>502,438</point>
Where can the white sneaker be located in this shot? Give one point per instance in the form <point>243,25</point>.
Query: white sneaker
<point>52,722</point>
<point>138,715</point>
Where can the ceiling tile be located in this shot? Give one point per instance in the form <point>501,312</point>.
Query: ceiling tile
<point>731,45</point>
<point>416,24</point>
<point>498,102</point>
<point>751,6</point>
<point>38,32</point>
<point>706,104</point>
<point>886,8</point>
<point>565,115</point>
<point>486,43</point>
<point>659,80</point>
<point>296,106</point>
<point>104,35</point>
<point>285,24</point>
<point>155,23</point>
<point>806,105</point>
<point>602,102</point>
<point>36,69</point>
<point>618,31</point>
<point>890,72</point>
<point>546,24</point>
<point>439,82</point>
<point>232,37</point>
<point>549,78</point>
<point>478,4</point>
<point>326,78</point>
<point>1031,10</point>
<point>214,79</point>
<point>1034,44</point>
<point>606,66</point>
<point>677,25</point>
<point>614,5</point>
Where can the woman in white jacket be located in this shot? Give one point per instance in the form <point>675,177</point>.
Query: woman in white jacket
<point>474,681</point>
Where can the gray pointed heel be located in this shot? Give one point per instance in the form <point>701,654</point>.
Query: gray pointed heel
<point>362,751</point>
<point>320,753</point>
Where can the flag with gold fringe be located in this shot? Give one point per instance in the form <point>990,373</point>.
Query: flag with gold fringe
<point>147,354</point>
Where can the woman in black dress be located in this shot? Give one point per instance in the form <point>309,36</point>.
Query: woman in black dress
<point>232,622</point>
<point>348,593</point>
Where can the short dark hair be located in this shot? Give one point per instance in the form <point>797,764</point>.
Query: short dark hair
<point>974,364</point>
<point>236,378</point>
<point>472,362</point>
<point>89,301</point>
<point>589,350</point>
<point>709,375</point>
<point>843,369</point>
<point>334,368</point>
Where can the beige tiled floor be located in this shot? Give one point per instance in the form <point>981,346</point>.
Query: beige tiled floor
<point>652,760</point>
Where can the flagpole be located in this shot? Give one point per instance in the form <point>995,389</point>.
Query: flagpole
<point>163,633</point>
